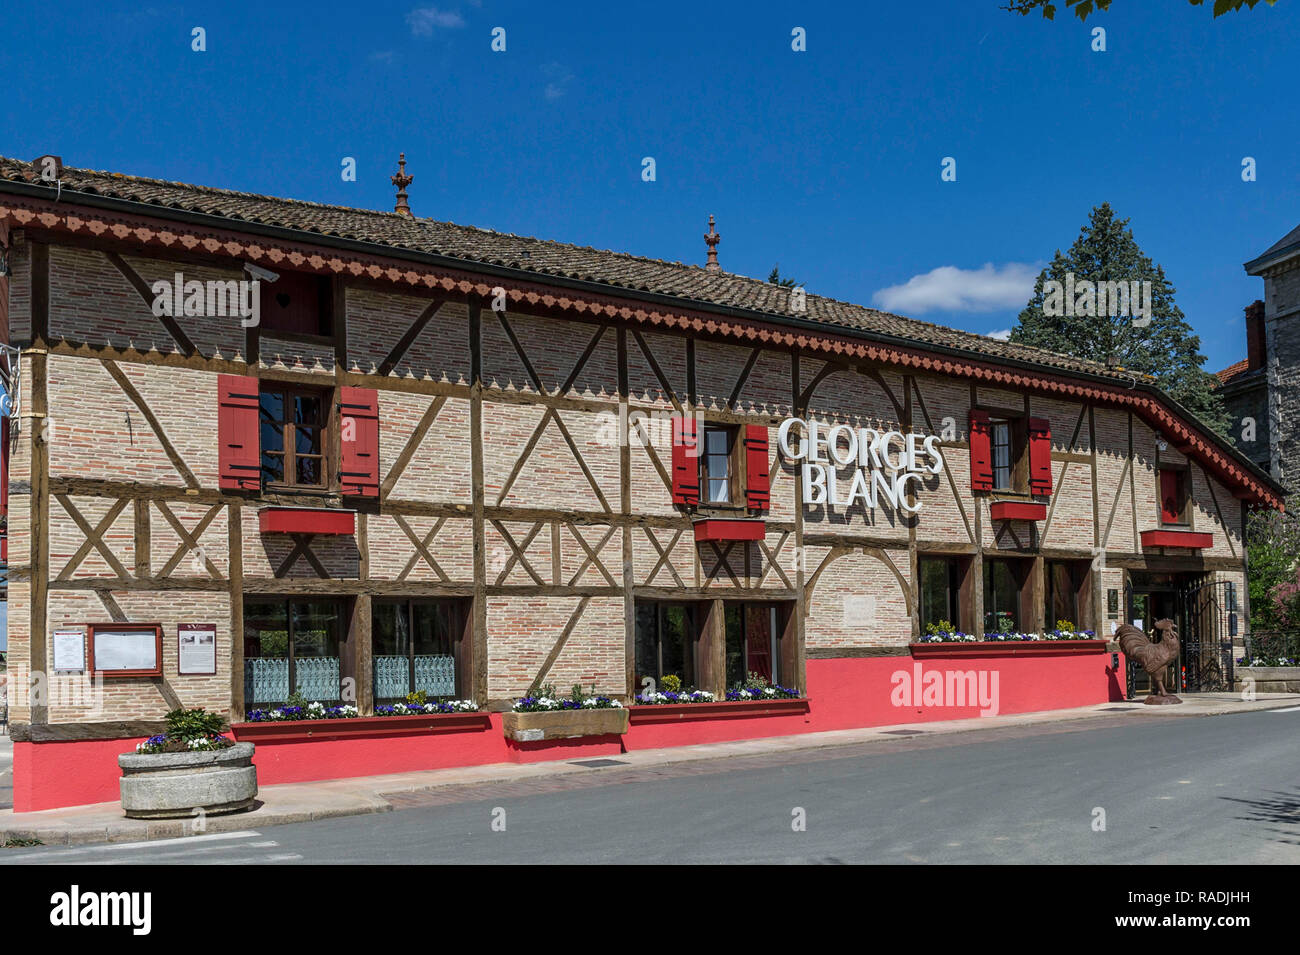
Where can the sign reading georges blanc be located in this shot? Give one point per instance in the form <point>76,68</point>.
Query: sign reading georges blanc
<point>883,463</point>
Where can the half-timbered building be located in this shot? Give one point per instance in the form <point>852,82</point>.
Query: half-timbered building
<point>422,457</point>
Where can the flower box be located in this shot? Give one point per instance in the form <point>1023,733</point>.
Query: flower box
<point>686,712</point>
<point>1006,648</point>
<point>537,725</point>
<point>361,726</point>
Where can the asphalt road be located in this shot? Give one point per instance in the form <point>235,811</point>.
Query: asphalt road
<point>1173,790</point>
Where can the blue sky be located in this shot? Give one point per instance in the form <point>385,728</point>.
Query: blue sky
<point>826,161</point>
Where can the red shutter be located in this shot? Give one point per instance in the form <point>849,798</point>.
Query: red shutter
<point>1171,497</point>
<point>1040,456</point>
<point>359,473</point>
<point>686,462</point>
<point>758,489</point>
<point>239,466</point>
<point>981,452</point>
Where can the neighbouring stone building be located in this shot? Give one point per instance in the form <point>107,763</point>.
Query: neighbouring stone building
<point>1244,388</point>
<point>1278,355</point>
<point>421,457</point>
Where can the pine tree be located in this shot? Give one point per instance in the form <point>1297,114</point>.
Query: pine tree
<point>1165,348</point>
<point>775,278</point>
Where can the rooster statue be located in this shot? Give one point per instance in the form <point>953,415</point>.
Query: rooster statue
<point>1154,657</point>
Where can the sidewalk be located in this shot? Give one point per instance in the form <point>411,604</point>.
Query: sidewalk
<point>305,802</point>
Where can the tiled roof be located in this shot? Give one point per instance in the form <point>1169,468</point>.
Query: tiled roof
<point>1232,371</point>
<point>689,283</point>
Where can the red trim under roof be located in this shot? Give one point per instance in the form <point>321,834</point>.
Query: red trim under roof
<point>163,234</point>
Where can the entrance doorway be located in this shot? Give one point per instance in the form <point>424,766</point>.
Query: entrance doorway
<point>1204,610</point>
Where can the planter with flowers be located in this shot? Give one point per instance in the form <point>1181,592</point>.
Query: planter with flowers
<point>754,697</point>
<point>543,715</point>
<point>192,767</point>
<point>943,638</point>
<point>300,720</point>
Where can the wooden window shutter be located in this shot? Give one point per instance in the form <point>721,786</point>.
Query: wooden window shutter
<point>239,452</point>
<point>758,489</point>
<point>1040,456</point>
<point>686,462</point>
<point>981,452</point>
<point>359,418</point>
<point>1171,497</point>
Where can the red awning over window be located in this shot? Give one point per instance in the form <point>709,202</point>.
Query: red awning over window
<point>306,520</point>
<point>1192,540</point>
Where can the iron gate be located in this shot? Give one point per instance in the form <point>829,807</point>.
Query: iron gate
<point>1211,621</point>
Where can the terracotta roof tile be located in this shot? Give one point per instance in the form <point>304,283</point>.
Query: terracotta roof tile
<point>688,283</point>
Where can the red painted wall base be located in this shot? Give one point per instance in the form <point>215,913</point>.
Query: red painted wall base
<point>843,693</point>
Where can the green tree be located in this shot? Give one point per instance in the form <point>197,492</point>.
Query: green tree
<point>775,278</point>
<point>1082,8</point>
<point>1272,542</point>
<point>1165,347</point>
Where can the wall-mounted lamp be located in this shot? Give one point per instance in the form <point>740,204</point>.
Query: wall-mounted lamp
<point>1161,443</point>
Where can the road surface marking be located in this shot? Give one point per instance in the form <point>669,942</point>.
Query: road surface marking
<point>118,846</point>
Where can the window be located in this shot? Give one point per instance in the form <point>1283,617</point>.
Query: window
<point>1001,597</point>
<point>717,465</point>
<point>667,641</point>
<point>291,645</point>
<point>752,642</point>
<point>296,303</point>
<point>940,588</point>
<point>1173,495</point>
<point>1000,438</point>
<point>293,423</point>
<point>1065,585</point>
<point>415,644</point>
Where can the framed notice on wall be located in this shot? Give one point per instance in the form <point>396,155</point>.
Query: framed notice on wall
<point>126,649</point>
<point>70,650</point>
<point>196,648</point>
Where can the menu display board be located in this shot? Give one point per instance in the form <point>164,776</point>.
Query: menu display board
<point>123,649</point>
<point>70,650</point>
<point>196,648</point>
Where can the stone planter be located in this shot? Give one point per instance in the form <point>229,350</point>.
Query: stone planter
<point>173,785</point>
<point>564,724</point>
<point>1268,679</point>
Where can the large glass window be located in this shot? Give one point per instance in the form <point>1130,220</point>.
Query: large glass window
<point>414,647</point>
<point>293,424</point>
<point>666,643</point>
<point>291,645</point>
<point>1001,597</point>
<point>752,642</point>
<point>939,591</point>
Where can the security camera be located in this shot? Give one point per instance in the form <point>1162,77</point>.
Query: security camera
<point>257,272</point>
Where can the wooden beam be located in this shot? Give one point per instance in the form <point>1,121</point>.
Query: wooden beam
<point>146,294</point>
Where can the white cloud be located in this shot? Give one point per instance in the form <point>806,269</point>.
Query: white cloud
<point>952,289</point>
<point>1002,334</point>
<point>423,20</point>
<point>558,79</point>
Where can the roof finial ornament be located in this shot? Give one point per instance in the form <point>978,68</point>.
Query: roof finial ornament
<point>401,181</point>
<point>711,239</point>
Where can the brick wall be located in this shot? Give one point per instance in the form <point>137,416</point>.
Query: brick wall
<point>99,434</point>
